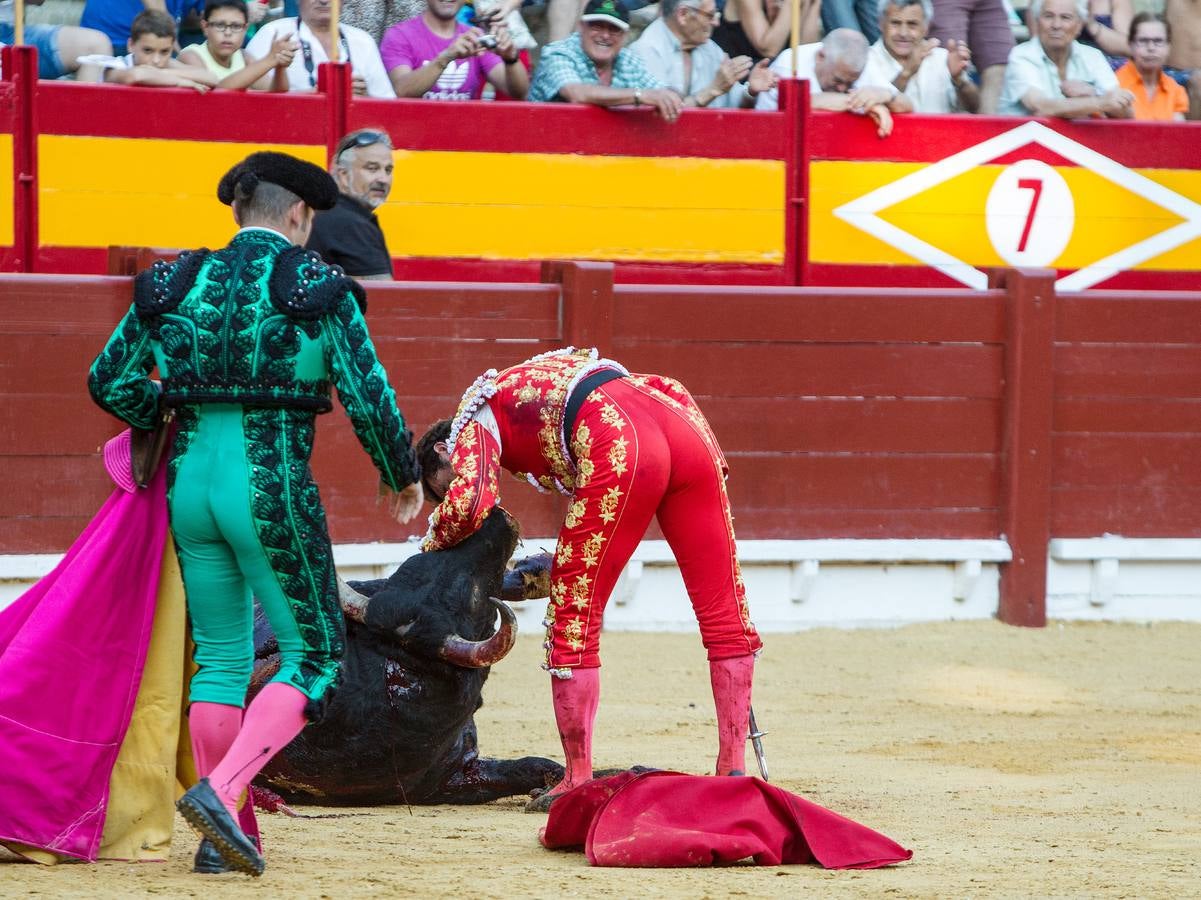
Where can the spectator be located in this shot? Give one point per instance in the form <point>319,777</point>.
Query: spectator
<point>1053,74</point>
<point>760,29</point>
<point>590,66</point>
<point>833,69</point>
<point>376,16</point>
<point>224,26</point>
<point>1106,27</point>
<point>59,46</point>
<point>150,61</point>
<point>934,78</point>
<point>349,235</point>
<point>315,32</point>
<point>858,15</point>
<point>439,58</point>
<point>115,17</point>
<point>678,51</point>
<point>984,26</point>
<point>1184,59</point>
<point>1157,98</point>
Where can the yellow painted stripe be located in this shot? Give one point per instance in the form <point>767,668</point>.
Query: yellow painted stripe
<point>6,190</point>
<point>530,206</point>
<point>950,216</point>
<point>96,192</point>
<point>101,191</point>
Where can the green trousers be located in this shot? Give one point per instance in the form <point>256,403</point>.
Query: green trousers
<point>248,523</point>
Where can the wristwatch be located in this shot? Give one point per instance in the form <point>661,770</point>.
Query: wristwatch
<point>511,62</point>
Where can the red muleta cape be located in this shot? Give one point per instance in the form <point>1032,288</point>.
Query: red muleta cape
<point>659,819</point>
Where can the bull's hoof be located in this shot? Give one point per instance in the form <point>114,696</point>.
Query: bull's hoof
<point>208,861</point>
<point>541,803</point>
<point>205,812</point>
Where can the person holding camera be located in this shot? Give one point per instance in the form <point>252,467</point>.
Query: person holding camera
<point>436,57</point>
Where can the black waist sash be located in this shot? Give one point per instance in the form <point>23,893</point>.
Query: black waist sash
<point>580,393</point>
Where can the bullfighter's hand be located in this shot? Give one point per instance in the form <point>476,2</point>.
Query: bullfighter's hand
<point>405,505</point>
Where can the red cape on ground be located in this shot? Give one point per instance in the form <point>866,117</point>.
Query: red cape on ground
<point>668,819</point>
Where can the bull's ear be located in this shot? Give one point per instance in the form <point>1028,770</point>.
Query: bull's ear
<point>528,579</point>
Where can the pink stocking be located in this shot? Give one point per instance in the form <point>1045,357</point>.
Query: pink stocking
<point>731,680</point>
<point>576,700</point>
<point>213,727</point>
<point>272,720</point>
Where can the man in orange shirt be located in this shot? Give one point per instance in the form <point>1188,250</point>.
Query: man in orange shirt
<point>1157,97</point>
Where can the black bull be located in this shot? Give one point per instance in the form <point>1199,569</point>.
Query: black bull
<point>400,728</point>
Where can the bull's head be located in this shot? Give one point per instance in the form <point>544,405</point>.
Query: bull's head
<point>442,603</point>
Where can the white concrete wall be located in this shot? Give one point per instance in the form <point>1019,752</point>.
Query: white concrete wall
<point>794,585</point>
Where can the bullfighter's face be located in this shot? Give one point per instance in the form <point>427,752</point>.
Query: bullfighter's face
<point>437,483</point>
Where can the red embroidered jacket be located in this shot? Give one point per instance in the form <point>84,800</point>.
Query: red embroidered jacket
<point>528,402</point>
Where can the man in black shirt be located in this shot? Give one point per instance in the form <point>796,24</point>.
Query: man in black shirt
<point>349,235</point>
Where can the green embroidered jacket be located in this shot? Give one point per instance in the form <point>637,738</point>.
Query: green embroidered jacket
<point>261,323</point>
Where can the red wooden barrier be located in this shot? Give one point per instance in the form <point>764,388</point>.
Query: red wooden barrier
<point>931,413</point>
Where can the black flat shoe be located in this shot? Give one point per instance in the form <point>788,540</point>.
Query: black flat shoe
<point>205,812</point>
<point>208,861</point>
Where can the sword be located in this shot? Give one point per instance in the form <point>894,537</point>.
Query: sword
<point>756,739</point>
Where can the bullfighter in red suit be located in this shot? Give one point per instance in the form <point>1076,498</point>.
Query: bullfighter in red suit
<point>625,448</point>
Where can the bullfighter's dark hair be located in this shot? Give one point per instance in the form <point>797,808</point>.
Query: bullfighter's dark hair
<point>427,456</point>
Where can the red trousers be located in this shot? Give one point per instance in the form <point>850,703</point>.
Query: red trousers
<point>643,449</point>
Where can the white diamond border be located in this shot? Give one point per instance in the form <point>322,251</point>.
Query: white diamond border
<point>863,211</point>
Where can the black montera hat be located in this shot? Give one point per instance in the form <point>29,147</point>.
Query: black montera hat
<point>310,183</point>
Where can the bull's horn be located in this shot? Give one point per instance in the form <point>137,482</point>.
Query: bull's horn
<point>353,603</point>
<point>458,651</point>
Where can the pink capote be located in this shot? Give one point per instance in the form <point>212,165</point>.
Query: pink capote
<point>72,650</point>
<point>668,819</point>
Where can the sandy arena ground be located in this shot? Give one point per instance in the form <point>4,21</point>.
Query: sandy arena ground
<point>1015,763</point>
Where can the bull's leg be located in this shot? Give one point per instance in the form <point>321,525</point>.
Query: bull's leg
<point>484,780</point>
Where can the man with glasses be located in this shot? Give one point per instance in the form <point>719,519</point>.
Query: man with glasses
<point>678,50</point>
<point>349,235</point>
<point>590,66</point>
<point>1054,75</point>
<point>834,70</point>
<point>316,34</point>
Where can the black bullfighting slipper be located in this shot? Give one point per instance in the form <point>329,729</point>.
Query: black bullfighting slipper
<point>208,861</point>
<point>205,812</point>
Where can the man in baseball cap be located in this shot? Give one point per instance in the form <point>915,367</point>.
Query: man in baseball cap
<point>591,66</point>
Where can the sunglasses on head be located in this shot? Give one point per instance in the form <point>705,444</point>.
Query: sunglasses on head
<point>362,139</point>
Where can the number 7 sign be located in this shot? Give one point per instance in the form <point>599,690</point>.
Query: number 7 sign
<point>1029,214</point>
